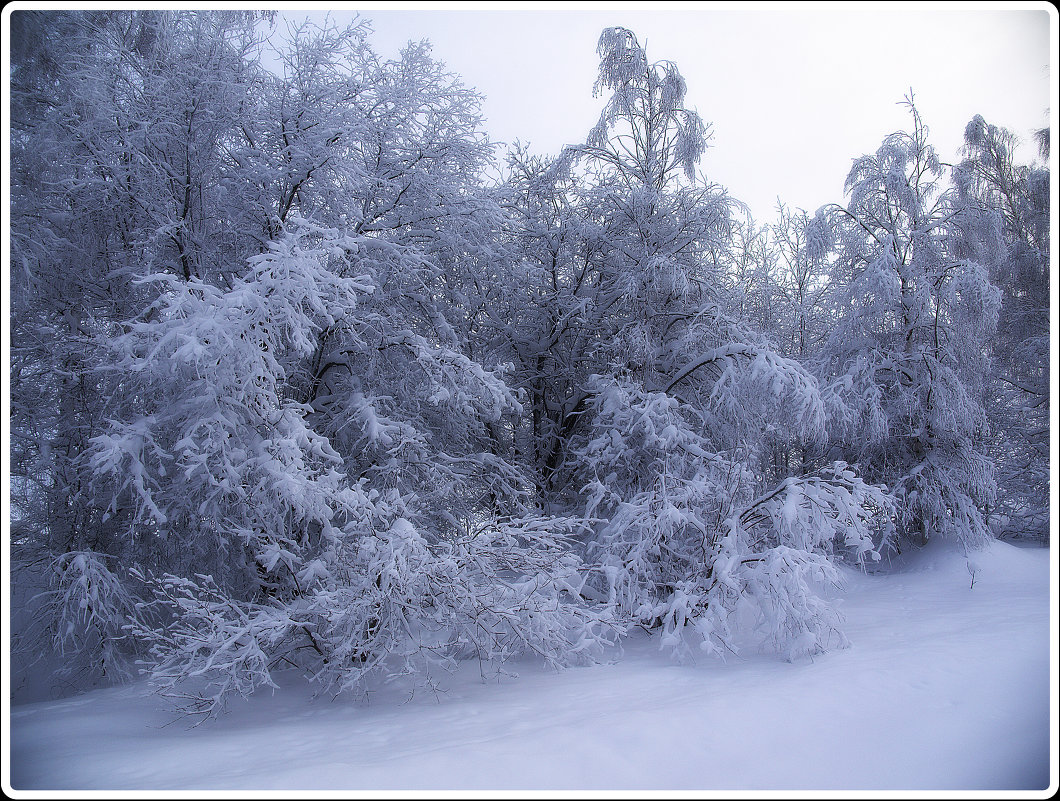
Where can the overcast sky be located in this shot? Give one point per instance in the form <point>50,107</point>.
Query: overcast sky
<point>793,91</point>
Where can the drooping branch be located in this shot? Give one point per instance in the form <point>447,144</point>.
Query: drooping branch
<point>724,353</point>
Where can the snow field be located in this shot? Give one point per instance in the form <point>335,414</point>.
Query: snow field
<point>944,688</point>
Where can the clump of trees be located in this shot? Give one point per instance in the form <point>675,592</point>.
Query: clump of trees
<point>294,387</point>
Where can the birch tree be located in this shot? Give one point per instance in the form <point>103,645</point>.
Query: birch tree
<point>910,349</point>
<point>1006,206</point>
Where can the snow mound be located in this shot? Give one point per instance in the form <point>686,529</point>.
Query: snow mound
<point>946,556</point>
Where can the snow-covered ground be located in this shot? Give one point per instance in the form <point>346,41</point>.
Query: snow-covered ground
<point>945,687</point>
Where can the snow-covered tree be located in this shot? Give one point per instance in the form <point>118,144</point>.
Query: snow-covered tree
<point>653,400</point>
<point>284,558</point>
<point>803,292</point>
<point>211,451</point>
<point>295,388</point>
<point>908,357</point>
<point>293,443</point>
<point>108,181</point>
<point>617,251</point>
<point>1007,211</point>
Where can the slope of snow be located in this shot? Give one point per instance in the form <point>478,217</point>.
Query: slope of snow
<point>945,687</point>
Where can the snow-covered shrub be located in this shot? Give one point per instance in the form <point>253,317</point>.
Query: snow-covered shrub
<point>833,511</point>
<point>209,645</point>
<point>377,604</point>
<point>81,618</point>
<point>502,591</point>
<point>678,542</point>
<point>947,496</point>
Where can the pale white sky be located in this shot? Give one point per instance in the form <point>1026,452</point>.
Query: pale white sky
<point>794,91</point>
